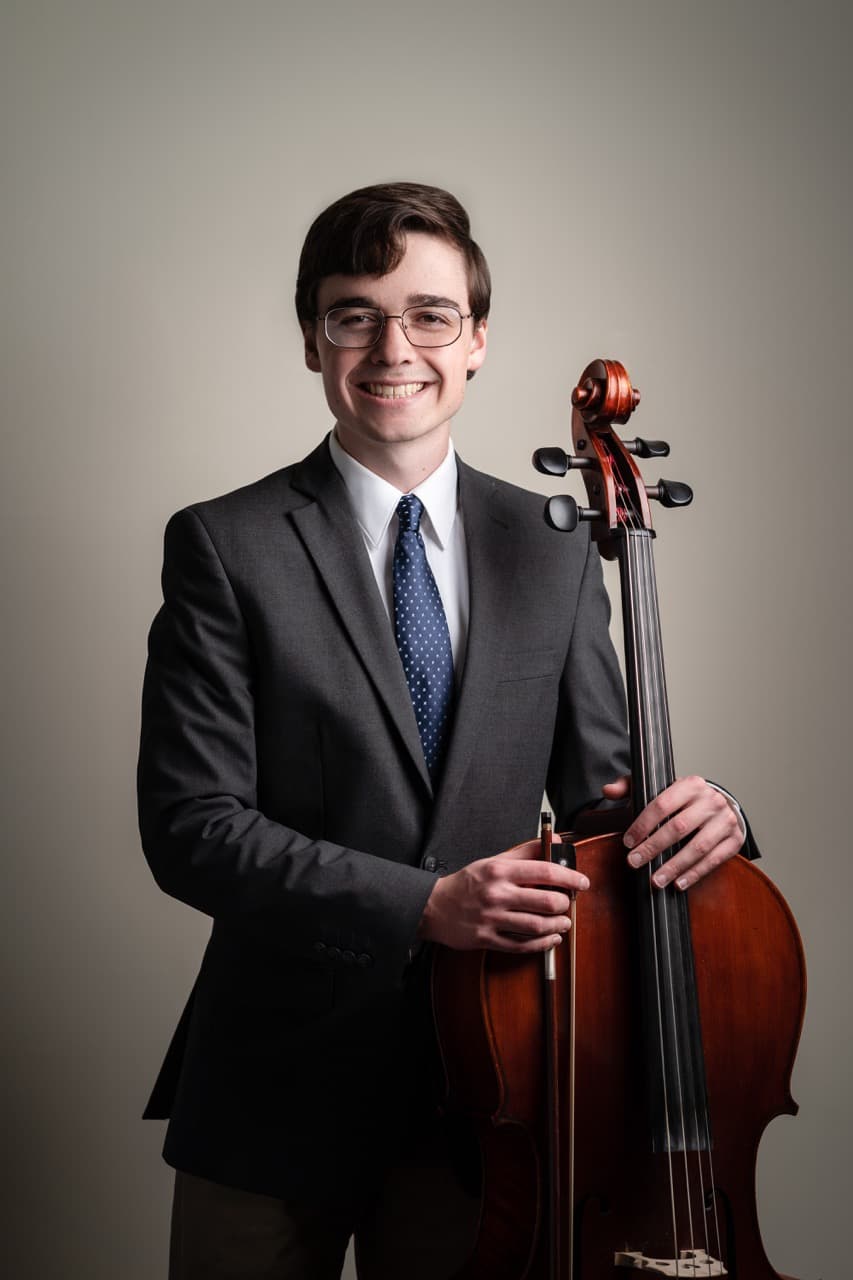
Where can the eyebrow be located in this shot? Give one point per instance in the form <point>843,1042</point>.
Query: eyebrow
<point>413,300</point>
<point>351,301</point>
<point>431,300</point>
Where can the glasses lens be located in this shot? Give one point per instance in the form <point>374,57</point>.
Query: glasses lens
<point>353,326</point>
<point>424,326</point>
<point>432,326</point>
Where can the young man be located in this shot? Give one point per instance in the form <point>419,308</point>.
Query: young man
<point>357,691</point>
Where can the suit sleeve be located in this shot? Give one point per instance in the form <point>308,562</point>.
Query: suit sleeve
<point>205,839</point>
<point>590,735</point>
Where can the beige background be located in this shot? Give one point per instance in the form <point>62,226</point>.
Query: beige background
<point>664,182</point>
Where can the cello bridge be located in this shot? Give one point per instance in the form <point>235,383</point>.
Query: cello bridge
<point>690,1262</point>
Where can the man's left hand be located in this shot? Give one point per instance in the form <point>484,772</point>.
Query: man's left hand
<point>690,812</point>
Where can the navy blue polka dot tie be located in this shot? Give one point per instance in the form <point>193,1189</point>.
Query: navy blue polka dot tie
<point>423,639</point>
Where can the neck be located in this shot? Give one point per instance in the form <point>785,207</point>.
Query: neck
<point>403,463</point>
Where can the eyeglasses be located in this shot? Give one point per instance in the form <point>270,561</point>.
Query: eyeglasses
<point>423,326</point>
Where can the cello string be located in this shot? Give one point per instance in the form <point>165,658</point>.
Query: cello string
<point>658,905</point>
<point>662,736</point>
<point>653,713</point>
<point>654,687</point>
<point>651,689</point>
<point>643,765</point>
<point>654,684</point>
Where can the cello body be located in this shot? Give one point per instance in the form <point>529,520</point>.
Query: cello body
<point>619,1198</point>
<point>659,1051</point>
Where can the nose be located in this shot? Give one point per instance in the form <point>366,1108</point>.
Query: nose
<point>393,346</point>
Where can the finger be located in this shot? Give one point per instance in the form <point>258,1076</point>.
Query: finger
<point>617,789</point>
<point>523,926</point>
<point>500,903</point>
<point>526,946</point>
<point>697,827</point>
<point>679,828</point>
<point>682,792</point>
<point>723,853</point>
<point>541,902</point>
<point>715,844</point>
<point>708,805</point>
<point>536,873</point>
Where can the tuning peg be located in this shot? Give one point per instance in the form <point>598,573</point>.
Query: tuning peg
<point>671,493</point>
<point>563,513</point>
<point>556,462</point>
<point>551,462</point>
<point>647,448</point>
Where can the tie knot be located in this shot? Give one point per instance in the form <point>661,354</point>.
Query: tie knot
<point>409,512</point>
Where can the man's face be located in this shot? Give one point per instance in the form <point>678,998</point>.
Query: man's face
<point>428,382</point>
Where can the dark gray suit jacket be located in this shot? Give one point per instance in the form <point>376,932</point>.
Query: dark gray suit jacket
<point>283,791</point>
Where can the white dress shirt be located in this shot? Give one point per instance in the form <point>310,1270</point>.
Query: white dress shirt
<point>374,503</point>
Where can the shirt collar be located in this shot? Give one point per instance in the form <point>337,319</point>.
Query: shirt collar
<point>374,500</point>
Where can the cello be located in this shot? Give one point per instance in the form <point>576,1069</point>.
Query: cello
<point>620,1088</point>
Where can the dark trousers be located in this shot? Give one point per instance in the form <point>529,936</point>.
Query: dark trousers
<point>421,1226</point>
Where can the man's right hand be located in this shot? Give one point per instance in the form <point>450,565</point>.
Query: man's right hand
<point>511,902</point>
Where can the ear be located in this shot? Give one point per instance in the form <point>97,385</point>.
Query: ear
<point>312,354</point>
<point>477,352</point>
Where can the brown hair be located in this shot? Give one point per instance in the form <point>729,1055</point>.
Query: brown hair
<point>363,233</point>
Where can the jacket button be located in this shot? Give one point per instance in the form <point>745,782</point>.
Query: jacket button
<point>430,863</point>
<point>319,946</point>
<point>334,953</point>
<point>348,957</point>
<point>364,960</point>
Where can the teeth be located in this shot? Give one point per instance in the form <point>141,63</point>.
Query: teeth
<point>389,392</point>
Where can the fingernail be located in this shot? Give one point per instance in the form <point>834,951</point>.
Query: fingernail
<point>628,841</point>
<point>659,879</point>
<point>635,860</point>
<point>584,882</point>
<point>555,941</point>
<point>683,882</point>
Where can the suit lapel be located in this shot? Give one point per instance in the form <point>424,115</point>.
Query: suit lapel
<point>334,541</point>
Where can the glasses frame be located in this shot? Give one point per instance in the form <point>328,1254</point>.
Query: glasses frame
<point>365,346</point>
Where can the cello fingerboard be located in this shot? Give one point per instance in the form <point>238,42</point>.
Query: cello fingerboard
<point>673,1053</point>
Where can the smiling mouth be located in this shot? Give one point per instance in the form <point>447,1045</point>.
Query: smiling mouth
<point>391,390</point>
